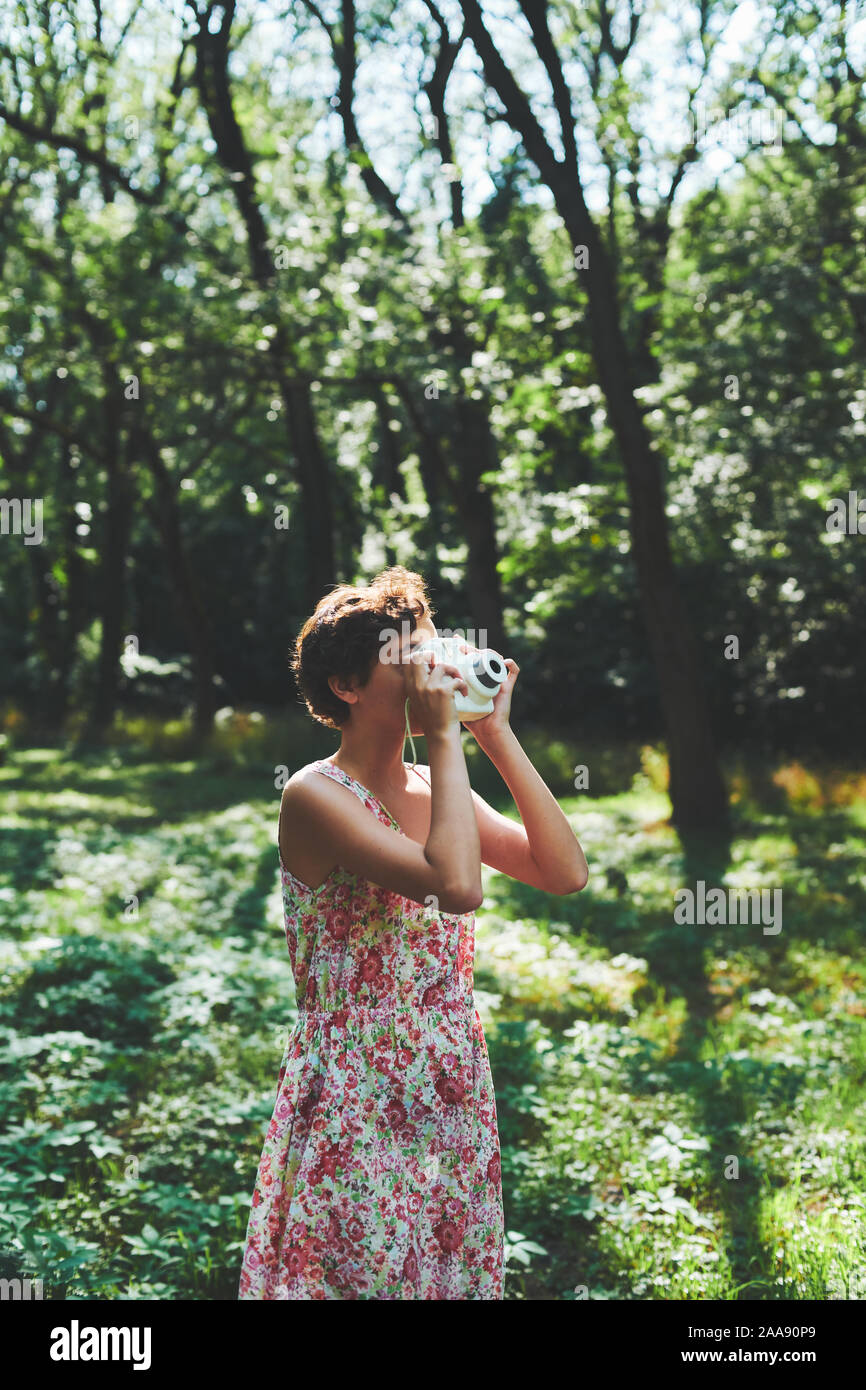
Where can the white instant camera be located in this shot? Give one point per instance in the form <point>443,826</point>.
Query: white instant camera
<point>483,671</point>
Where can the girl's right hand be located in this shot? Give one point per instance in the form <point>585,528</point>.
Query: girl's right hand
<point>430,686</point>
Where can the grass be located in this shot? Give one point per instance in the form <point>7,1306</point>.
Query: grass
<point>681,1107</point>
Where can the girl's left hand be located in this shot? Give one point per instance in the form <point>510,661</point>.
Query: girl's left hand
<point>497,721</point>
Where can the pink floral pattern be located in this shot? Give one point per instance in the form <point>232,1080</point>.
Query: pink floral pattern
<point>380,1175</point>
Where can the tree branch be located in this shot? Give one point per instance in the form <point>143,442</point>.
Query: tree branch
<point>65,140</point>
<point>536,14</point>
<point>517,108</point>
<point>435,89</point>
<point>344,53</point>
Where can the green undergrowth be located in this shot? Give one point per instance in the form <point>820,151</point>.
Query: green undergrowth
<point>681,1107</point>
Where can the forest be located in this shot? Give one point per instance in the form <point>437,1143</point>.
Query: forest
<point>561,304</point>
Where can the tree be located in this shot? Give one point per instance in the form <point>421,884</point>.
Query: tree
<point>697,791</point>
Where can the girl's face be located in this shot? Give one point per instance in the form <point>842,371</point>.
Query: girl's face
<point>424,631</point>
<point>384,692</point>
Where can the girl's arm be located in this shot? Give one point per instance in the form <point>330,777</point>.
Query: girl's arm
<point>544,851</point>
<point>320,824</point>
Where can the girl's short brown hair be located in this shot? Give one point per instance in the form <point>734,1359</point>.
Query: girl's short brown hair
<point>341,638</point>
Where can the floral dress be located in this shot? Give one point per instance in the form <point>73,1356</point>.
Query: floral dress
<point>380,1174</point>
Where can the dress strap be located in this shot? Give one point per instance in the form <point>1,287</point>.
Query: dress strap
<point>331,770</point>
<point>363,793</point>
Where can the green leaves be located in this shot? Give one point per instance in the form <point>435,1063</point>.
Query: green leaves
<point>520,1248</point>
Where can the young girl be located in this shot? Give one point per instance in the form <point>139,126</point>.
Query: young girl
<point>380,1173</point>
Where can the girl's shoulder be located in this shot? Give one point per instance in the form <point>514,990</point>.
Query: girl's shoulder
<point>296,788</point>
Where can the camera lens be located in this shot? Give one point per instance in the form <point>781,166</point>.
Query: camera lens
<point>490,670</point>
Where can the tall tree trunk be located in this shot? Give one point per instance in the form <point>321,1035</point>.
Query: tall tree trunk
<point>697,791</point>
<point>112,574</point>
<point>19,461</point>
<point>475,508</point>
<point>476,453</point>
<point>315,483</point>
<point>433,478</point>
<point>192,611</point>
<point>214,85</point>
<point>50,633</point>
<point>57,638</point>
<point>75,581</point>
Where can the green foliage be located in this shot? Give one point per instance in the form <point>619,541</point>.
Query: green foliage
<point>444,363</point>
<point>104,990</point>
<point>757,276</point>
<point>631,1059</point>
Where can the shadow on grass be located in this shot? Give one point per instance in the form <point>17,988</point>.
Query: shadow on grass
<point>677,957</point>
<point>722,1094</point>
<point>252,905</point>
<point>151,792</point>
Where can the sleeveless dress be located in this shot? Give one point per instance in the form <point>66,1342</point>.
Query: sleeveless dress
<point>380,1174</point>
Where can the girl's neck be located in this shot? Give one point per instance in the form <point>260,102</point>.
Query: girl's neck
<point>374,758</point>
